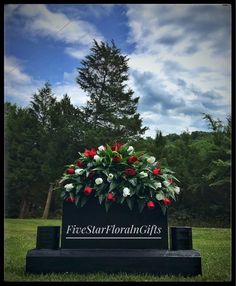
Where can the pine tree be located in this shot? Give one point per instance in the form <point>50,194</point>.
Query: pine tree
<point>111,111</point>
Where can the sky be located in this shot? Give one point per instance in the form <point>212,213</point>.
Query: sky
<point>179,56</point>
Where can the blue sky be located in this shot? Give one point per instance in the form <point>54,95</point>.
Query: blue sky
<point>179,56</point>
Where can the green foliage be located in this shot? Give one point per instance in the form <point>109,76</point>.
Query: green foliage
<point>111,111</point>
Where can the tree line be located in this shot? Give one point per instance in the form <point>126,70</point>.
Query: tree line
<point>43,137</point>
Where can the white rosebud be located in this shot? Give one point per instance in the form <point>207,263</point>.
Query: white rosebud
<point>97,158</point>
<point>143,174</point>
<point>130,150</point>
<point>110,176</point>
<point>101,148</point>
<point>177,190</point>
<point>151,160</point>
<point>99,181</point>
<point>69,187</point>
<point>126,192</point>
<point>159,197</point>
<point>79,171</point>
<point>166,183</point>
<point>157,185</point>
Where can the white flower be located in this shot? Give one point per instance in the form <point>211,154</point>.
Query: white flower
<point>159,197</point>
<point>130,150</point>
<point>177,190</point>
<point>151,160</point>
<point>166,183</point>
<point>69,187</point>
<point>97,158</point>
<point>143,174</point>
<point>110,176</point>
<point>99,181</point>
<point>79,171</point>
<point>157,185</point>
<point>101,148</point>
<point>126,192</point>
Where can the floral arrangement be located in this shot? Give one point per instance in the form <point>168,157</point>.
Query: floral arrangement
<point>120,175</point>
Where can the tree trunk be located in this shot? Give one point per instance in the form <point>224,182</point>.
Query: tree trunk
<point>23,209</point>
<point>48,202</point>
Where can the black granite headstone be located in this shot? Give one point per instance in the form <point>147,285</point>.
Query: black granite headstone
<point>48,237</point>
<point>92,227</point>
<point>181,238</point>
<point>116,241</point>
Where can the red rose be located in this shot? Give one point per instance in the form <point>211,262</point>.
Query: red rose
<point>87,152</point>
<point>156,171</point>
<point>132,159</point>
<point>88,191</point>
<point>91,174</point>
<point>116,147</point>
<point>166,201</point>
<point>150,205</point>
<point>111,197</point>
<point>116,158</point>
<point>80,163</point>
<point>93,152</point>
<point>130,172</point>
<point>70,199</point>
<point>70,171</point>
<point>90,153</point>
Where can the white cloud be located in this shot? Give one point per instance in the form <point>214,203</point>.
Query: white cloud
<point>71,88</point>
<point>18,85</point>
<point>42,22</point>
<point>12,68</point>
<point>175,44</point>
<point>77,53</point>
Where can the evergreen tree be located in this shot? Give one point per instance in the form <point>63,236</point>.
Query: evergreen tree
<point>21,164</point>
<point>111,111</point>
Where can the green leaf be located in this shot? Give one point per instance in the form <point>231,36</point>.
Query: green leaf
<point>77,200</point>
<point>138,187</point>
<point>141,204</point>
<point>101,198</point>
<point>105,172</point>
<point>166,170</point>
<point>113,185</point>
<point>124,148</point>
<point>107,205</point>
<point>130,203</point>
<point>83,201</point>
<point>173,177</point>
<point>150,185</point>
<point>108,150</point>
<point>98,169</point>
<point>78,188</point>
<point>163,208</point>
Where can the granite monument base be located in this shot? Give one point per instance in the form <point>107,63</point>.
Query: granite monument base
<point>93,240</point>
<point>153,261</point>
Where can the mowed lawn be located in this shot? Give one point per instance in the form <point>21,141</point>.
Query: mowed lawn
<point>214,245</point>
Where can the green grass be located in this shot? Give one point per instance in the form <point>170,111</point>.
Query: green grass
<point>214,245</point>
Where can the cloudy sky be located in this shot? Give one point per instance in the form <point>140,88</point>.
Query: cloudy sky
<point>179,56</point>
